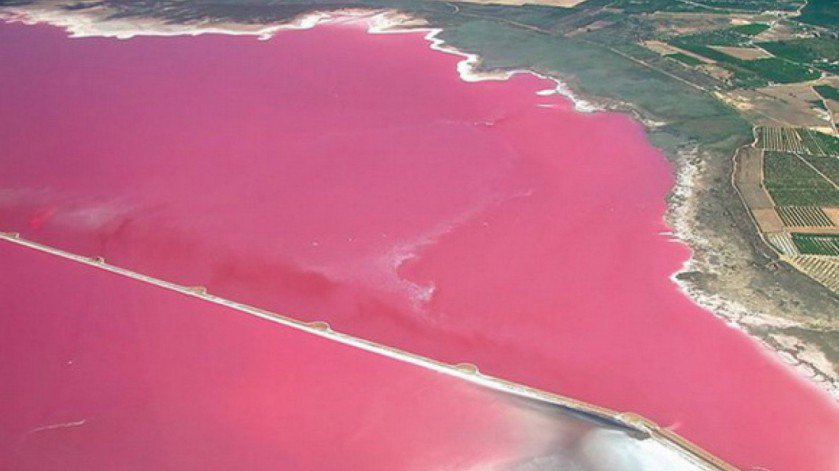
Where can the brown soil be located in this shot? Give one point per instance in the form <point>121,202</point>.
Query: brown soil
<point>767,219</point>
<point>833,214</point>
<point>782,105</point>
<point>551,3</point>
<point>745,53</point>
<point>664,48</point>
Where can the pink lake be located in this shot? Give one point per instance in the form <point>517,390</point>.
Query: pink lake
<point>334,175</point>
<point>105,372</point>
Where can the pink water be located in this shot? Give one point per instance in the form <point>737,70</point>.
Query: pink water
<point>102,372</point>
<point>334,175</point>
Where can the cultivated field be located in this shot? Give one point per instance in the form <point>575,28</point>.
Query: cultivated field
<point>779,139</point>
<point>825,270</point>
<point>818,143</point>
<point>799,169</point>
<point>804,216</point>
<point>783,243</point>
<point>801,141</point>
<point>793,180</point>
<point>817,244</point>
<point>734,49</point>
<point>550,3</point>
<point>744,53</point>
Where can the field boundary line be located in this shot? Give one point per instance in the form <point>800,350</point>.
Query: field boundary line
<point>817,170</point>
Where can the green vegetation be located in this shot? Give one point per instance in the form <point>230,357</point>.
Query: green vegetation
<point>752,5</point>
<point>827,92</point>
<point>828,165</point>
<point>817,244</point>
<point>820,143</point>
<point>774,70</point>
<point>651,6</point>
<point>705,6</point>
<point>818,104</point>
<point>821,13</point>
<point>681,57</point>
<point>747,73</point>
<point>755,73</point>
<point>595,70</point>
<point>752,29</point>
<point>792,182</point>
<point>735,36</point>
<point>820,53</point>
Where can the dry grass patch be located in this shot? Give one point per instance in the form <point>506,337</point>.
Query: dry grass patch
<point>833,214</point>
<point>780,105</point>
<point>744,53</point>
<point>667,49</point>
<point>549,3</point>
<point>768,220</point>
<point>686,22</point>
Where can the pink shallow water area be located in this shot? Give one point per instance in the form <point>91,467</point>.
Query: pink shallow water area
<point>335,175</point>
<point>118,374</point>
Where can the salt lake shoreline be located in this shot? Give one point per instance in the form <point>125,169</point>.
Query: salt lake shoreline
<point>682,201</point>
